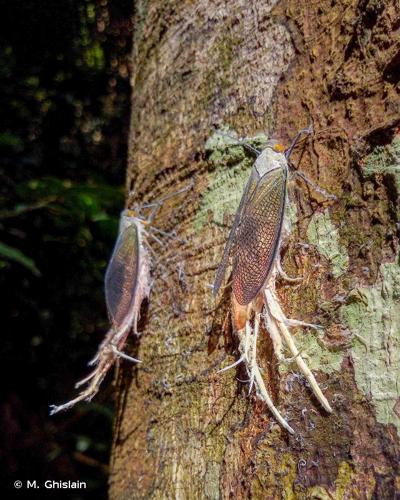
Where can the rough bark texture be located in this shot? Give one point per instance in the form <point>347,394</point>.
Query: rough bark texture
<point>182,430</point>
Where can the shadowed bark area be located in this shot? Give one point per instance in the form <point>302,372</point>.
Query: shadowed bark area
<point>182,429</point>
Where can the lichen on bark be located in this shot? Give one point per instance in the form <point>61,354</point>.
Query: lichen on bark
<point>230,166</point>
<point>325,237</point>
<point>384,160</point>
<point>373,316</point>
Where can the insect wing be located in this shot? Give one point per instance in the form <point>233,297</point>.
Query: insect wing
<point>257,239</point>
<point>122,275</point>
<point>229,246</point>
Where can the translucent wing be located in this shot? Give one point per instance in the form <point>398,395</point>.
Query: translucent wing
<point>228,250</point>
<point>257,238</point>
<point>122,275</point>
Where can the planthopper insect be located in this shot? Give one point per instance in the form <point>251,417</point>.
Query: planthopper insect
<point>260,229</point>
<point>127,284</point>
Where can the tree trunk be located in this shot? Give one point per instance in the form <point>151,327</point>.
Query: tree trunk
<point>182,429</point>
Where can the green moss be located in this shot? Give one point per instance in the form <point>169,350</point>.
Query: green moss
<point>384,160</point>
<point>318,493</point>
<point>373,316</point>
<point>343,486</point>
<point>343,481</point>
<point>232,164</point>
<point>324,235</point>
<point>288,477</point>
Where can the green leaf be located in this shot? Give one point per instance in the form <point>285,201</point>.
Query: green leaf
<point>16,255</point>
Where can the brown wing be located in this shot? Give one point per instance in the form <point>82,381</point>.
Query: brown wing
<point>257,238</point>
<point>122,275</point>
<point>230,244</point>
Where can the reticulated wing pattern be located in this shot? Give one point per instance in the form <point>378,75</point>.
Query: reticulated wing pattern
<point>257,238</point>
<point>229,246</point>
<point>122,275</point>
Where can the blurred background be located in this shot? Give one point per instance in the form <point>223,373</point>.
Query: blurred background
<point>65,105</point>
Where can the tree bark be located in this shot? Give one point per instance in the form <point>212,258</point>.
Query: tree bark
<point>182,429</point>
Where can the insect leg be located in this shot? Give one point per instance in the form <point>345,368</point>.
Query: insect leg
<point>265,397</point>
<point>248,350</point>
<point>86,379</point>
<point>263,393</point>
<point>95,359</point>
<point>106,341</point>
<point>148,247</point>
<point>283,274</point>
<point>277,313</point>
<point>240,360</point>
<point>87,394</point>
<point>293,322</point>
<point>55,409</point>
<point>105,359</point>
<point>271,326</point>
<point>296,322</point>
<point>120,354</point>
<point>314,186</point>
<point>273,331</point>
<point>155,238</point>
<point>171,235</point>
<point>240,142</point>
<point>248,333</point>
<point>156,205</point>
<point>253,360</point>
<point>308,130</point>
<point>244,339</point>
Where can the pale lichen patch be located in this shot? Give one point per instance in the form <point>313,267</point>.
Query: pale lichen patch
<point>232,165</point>
<point>323,234</point>
<point>211,480</point>
<point>384,160</point>
<point>373,316</point>
<point>318,356</point>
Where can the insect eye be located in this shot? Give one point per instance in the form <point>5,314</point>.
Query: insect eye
<point>279,148</point>
<point>131,213</point>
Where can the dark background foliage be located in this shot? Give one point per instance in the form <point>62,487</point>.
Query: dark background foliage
<point>64,99</point>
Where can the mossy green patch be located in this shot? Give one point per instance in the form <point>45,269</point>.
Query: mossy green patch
<point>384,160</point>
<point>343,485</point>
<point>344,480</point>
<point>373,316</point>
<point>232,165</point>
<point>322,233</point>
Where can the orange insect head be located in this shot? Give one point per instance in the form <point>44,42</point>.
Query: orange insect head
<point>131,213</point>
<point>279,148</point>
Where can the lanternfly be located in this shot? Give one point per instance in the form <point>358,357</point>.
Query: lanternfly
<point>127,285</point>
<point>260,229</point>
